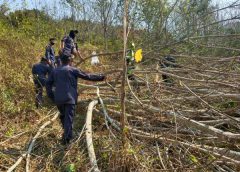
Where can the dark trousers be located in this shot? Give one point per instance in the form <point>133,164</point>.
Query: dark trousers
<point>39,94</point>
<point>67,112</point>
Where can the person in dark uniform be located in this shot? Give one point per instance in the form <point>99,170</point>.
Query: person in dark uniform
<point>68,45</point>
<point>50,53</point>
<point>58,62</point>
<point>168,62</point>
<point>40,72</point>
<point>65,78</point>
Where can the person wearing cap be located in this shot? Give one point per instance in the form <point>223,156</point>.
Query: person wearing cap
<point>50,53</point>
<point>40,72</point>
<point>65,80</point>
<point>68,45</point>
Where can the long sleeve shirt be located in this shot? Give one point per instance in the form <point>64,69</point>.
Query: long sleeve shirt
<point>64,79</point>
<point>69,46</point>
<point>40,72</point>
<point>50,54</point>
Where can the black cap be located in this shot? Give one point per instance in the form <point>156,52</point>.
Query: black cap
<point>65,58</point>
<point>73,33</point>
<point>52,39</point>
<point>43,59</point>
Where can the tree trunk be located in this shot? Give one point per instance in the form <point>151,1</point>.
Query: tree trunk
<point>123,93</point>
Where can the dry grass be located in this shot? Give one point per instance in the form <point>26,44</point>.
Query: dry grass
<point>165,149</point>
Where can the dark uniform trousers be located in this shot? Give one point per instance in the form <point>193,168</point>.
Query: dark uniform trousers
<point>67,112</point>
<point>39,92</point>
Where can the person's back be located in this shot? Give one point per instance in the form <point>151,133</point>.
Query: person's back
<point>40,72</point>
<point>69,46</point>
<point>64,79</point>
<point>66,85</point>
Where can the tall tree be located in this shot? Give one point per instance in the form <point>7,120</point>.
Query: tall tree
<point>104,9</point>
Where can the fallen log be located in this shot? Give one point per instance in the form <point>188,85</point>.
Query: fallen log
<point>89,140</point>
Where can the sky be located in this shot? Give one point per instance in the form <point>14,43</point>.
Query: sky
<point>30,4</point>
<point>18,4</point>
<point>223,2</point>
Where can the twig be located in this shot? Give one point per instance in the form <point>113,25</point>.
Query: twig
<point>160,157</point>
<point>35,138</point>
<point>31,146</point>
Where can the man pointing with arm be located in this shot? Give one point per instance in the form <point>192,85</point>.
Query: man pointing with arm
<point>65,95</point>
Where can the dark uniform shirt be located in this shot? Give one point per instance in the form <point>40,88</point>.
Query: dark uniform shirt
<point>58,61</point>
<point>167,62</point>
<point>50,54</point>
<point>69,46</point>
<point>40,72</point>
<point>65,80</point>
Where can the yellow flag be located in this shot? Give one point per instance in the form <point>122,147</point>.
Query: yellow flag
<point>138,55</point>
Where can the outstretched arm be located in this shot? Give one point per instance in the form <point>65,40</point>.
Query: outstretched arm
<point>89,77</point>
<point>80,55</point>
<point>77,52</point>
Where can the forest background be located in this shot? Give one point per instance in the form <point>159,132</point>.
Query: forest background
<point>194,27</point>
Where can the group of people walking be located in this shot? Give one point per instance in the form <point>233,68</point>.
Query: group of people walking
<point>59,77</point>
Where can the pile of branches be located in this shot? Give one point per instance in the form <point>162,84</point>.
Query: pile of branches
<point>191,123</point>
<point>188,124</point>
